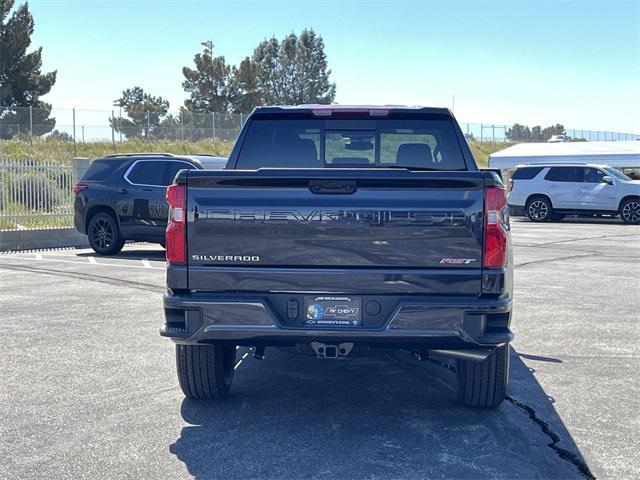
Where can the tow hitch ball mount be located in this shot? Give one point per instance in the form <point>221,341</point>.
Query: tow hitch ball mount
<point>325,350</point>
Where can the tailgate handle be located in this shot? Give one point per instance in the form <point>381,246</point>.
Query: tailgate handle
<point>340,187</point>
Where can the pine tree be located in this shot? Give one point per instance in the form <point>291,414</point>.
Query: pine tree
<point>21,81</point>
<point>207,84</point>
<point>145,113</point>
<point>294,71</point>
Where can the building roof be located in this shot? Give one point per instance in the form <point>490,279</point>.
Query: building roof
<point>621,154</point>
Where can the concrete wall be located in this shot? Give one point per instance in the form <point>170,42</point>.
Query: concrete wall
<point>80,166</point>
<point>41,238</point>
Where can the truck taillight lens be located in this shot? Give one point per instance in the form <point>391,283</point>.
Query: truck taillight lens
<point>176,227</point>
<point>496,228</point>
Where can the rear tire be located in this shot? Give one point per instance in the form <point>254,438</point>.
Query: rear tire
<point>630,211</point>
<point>104,235</point>
<point>538,209</point>
<point>205,372</point>
<point>484,384</point>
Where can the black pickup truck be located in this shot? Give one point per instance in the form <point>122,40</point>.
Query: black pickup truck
<point>341,231</point>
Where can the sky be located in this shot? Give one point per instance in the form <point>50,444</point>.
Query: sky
<point>543,62</point>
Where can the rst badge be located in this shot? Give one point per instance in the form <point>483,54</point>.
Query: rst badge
<point>457,261</point>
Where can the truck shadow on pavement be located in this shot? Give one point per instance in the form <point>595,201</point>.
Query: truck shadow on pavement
<point>380,417</point>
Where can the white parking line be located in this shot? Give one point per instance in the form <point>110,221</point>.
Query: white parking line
<point>38,256</point>
<point>76,262</point>
<point>146,263</point>
<point>92,261</point>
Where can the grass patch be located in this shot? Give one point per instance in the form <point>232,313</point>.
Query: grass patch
<point>59,151</point>
<point>482,150</point>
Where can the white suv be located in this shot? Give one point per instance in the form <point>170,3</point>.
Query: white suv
<point>549,192</point>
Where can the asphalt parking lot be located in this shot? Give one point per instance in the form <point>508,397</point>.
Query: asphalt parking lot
<point>88,388</point>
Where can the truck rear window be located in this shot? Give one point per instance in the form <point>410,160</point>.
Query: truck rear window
<point>313,143</point>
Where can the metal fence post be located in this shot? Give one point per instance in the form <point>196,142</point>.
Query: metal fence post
<point>181,126</point>
<point>213,125</point>
<point>31,124</point>
<point>240,119</point>
<point>493,132</point>
<point>113,133</point>
<point>75,148</point>
<point>148,126</point>
<point>82,133</point>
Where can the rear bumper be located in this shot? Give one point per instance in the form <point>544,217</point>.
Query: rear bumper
<point>430,322</point>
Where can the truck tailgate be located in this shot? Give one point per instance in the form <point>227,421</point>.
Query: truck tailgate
<point>381,220</point>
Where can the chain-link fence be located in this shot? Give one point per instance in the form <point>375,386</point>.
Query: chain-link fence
<point>82,125</point>
<point>36,181</point>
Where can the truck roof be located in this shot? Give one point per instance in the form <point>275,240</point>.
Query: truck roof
<point>310,108</point>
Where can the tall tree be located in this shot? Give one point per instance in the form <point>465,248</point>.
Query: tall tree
<point>294,71</point>
<point>287,72</point>
<point>244,91</point>
<point>145,113</point>
<point>21,81</point>
<point>207,84</point>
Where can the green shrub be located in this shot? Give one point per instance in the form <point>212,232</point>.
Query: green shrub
<point>35,191</point>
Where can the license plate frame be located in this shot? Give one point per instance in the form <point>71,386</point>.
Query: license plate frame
<point>331,311</point>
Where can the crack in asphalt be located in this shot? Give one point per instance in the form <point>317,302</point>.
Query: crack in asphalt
<point>563,453</point>
<point>547,260</point>
<point>118,282</point>
<point>579,239</point>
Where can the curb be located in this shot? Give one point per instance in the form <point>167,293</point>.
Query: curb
<point>41,238</point>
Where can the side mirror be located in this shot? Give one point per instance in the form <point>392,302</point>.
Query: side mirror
<point>607,179</point>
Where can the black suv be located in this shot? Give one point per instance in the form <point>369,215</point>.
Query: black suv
<point>122,197</point>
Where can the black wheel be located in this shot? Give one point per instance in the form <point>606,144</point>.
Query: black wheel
<point>630,211</point>
<point>539,209</point>
<point>205,371</point>
<point>104,234</point>
<point>484,384</point>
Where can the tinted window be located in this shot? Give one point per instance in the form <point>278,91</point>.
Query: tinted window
<point>526,173</point>
<point>148,172</point>
<point>564,174</point>
<point>593,175</point>
<point>281,143</point>
<point>99,170</point>
<point>312,143</point>
<point>173,168</point>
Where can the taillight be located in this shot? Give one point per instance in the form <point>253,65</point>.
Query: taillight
<point>496,228</point>
<point>78,187</point>
<point>176,228</point>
